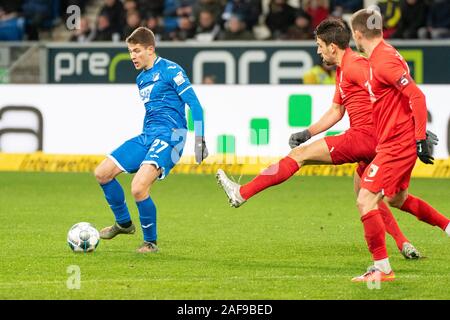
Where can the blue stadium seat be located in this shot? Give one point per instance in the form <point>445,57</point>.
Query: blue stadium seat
<point>12,29</point>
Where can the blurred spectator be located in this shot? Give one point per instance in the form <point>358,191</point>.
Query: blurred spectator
<point>438,21</point>
<point>12,26</point>
<point>184,7</point>
<point>133,21</point>
<point>115,12</point>
<point>209,79</point>
<point>317,9</point>
<point>320,74</point>
<point>130,6</point>
<point>213,6</point>
<point>9,7</point>
<point>339,7</point>
<point>36,12</point>
<point>250,10</point>
<point>391,13</point>
<point>85,33</point>
<point>103,30</point>
<point>184,31</point>
<point>155,23</point>
<point>151,7</point>
<point>413,17</point>
<point>207,27</point>
<point>235,30</point>
<point>301,30</point>
<point>280,17</point>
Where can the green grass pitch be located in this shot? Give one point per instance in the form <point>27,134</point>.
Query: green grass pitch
<point>299,240</point>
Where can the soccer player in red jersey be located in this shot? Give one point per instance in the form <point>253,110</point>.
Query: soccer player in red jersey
<point>357,144</point>
<point>400,116</point>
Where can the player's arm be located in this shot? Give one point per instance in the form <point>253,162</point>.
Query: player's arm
<point>183,87</point>
<point>190,98</point>
<point>395,74</point>
<point>329,119</point>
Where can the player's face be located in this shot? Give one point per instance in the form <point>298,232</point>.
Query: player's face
<point>326,52</point>
<point>140,55</point>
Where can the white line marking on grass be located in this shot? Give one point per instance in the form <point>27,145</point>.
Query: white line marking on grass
<point>191,279</point>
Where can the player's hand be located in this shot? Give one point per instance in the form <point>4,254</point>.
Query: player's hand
<point>423,151</point>
<point>201,151</point>
<point>298,138</point>
<point>432,138</point>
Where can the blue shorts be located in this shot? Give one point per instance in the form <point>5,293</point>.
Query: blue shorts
<point>163,150</point>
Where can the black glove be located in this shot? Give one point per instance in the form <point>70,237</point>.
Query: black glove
<point>201,151</point>
<point>298,138</point>
<point>423,151</point>
<point>432,138</point>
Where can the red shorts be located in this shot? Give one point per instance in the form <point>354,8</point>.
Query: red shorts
<point>390,172</point>
<point>354,145</point>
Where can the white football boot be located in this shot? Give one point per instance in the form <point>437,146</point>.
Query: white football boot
<point>231,189</point>
<point>410,252</point>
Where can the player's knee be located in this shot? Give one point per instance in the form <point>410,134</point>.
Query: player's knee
<point>395,202</point>
<point>362,203</point>
<point>101,175</point>
<point>298,154</point>
<point>139,190</point>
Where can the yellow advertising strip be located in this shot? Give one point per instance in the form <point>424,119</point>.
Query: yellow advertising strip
<point>43,162</point>
<point>48,162</point>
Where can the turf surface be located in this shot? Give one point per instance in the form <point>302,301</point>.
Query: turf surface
<point>299,240</point>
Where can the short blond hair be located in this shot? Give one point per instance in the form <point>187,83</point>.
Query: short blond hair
<point>369,22</point>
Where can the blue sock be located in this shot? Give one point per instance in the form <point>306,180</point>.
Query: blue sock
<point>147,215</point>
<point>116,200</point>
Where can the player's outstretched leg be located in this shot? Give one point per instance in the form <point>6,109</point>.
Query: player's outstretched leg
<point>105,174</point>
<point>316,152</point>
<point>423,211</point>
<point>273,175</point>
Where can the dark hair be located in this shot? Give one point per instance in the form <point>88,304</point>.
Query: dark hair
<point>335,31</point>
<point>368,22</point>
<point>142,36</point>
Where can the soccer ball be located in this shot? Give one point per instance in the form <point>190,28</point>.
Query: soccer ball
<point>83,237</point>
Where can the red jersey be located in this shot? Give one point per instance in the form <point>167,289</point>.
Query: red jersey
<point>351,92</point>
<point>399,110</point>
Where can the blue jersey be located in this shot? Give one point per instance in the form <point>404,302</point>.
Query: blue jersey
<point>165,90</point>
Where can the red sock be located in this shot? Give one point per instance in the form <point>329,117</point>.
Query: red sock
<point>424,212</point>
<point>391,225</point>
<point>374,232</point>
<point>273,175</point>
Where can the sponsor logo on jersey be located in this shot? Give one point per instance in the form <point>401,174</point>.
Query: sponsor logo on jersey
<point>372,171</point>
<point>179,79</point>
<point>145,93</point>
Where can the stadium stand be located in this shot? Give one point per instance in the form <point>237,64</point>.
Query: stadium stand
<point>208,20</point>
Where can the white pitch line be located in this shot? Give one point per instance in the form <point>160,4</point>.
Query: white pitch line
<point>302,277</point>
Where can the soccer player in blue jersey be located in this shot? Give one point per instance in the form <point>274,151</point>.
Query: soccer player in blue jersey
<point>164,89</point>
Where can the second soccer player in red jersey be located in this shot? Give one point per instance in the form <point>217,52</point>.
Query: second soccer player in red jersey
<point>357,144</point>
<point>400,116</point>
